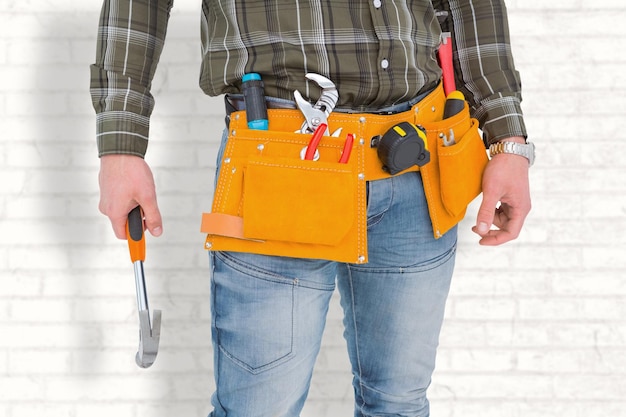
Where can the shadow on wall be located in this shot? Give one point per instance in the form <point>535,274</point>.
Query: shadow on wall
<point>85,272</point>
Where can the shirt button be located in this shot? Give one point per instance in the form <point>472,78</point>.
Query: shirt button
<point>384,64</point>
<point>377,3</point>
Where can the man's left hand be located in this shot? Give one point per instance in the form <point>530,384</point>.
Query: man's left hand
<point>505,180</point>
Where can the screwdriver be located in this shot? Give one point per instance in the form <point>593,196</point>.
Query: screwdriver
<point>455,103</point>
<point>254,97</point>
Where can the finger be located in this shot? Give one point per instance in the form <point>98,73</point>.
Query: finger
<point>152,217</point>
<point>498,237</point>
<point>485,216</point>
<point>509,228</point>
<point>119,226</point>
<point>117,215</point>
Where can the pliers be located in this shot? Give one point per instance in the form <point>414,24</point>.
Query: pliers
<point>317,114</point>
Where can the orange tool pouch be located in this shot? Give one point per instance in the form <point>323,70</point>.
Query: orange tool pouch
<point>270,201</point>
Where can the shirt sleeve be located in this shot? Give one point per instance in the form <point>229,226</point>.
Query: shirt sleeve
<point>484,67</point>
<point>130,39</point>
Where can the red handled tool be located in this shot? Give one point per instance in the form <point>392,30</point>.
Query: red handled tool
<point>347,149</point>
<point>149,335</point>
<point>445,62</point>
<point>311,149</point>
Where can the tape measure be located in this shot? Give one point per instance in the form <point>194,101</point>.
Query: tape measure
<point>403,146</point>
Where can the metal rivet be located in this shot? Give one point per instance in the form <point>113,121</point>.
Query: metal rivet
<point>234,170</point>
<point>227,161</point>
<point>361,141</point>
<point>236,117</point>
<point>361,176</point>
<point>260,147</point>
<point>433,108</point>
<point>361,259</point>
<point>362,119</point>
<point>441,135</point>
<point>208,245</point>
<point>233,132</point>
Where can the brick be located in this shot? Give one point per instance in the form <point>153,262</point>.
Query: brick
<point>39,362</point>
<point>22,52</point>
<point>49,336</point>
<point>103,409</point>
<point>43,104</point>
<point>34,155</point>
<point>47,258</point>
<point>485,386</point>
<point>590,387</point>
<point>478,360</point>
<point>22,232</point>
<point>67,182</point>
<point>105,310</point>
<point>30,207</point>
<point>175,408</point>
<point>482,308</point>
<point>49,410</point>
<point>4,51</point>
<point>19,284</point>
<point>39,310</point>
<point>575,283</point>
<point>328,407</point>
<point>20,388</point>
<point>13,181</point>
<point>598,258</point>
<point>108,388</point>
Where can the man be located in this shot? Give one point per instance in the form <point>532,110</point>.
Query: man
<point>269,311</point>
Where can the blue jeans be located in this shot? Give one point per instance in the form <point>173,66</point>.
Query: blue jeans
<point>269,314</point>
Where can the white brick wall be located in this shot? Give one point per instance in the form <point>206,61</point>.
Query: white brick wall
<point>535,329</point>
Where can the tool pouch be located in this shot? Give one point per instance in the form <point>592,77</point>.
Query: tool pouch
<point>269,201</point>
<point>453,177</point>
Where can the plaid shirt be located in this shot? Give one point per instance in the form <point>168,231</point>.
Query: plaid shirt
<point>377,52</point>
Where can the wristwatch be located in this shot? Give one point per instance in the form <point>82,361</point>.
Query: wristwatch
<point>526,150</point>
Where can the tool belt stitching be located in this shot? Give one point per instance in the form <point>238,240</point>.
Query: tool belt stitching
<point>223,191</point>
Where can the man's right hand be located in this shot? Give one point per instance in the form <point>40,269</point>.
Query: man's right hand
<point>126,181</point>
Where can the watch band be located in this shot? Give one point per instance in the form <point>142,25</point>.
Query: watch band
<point>526,150</point>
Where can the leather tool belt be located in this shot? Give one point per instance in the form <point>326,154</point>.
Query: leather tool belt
<point>270,201</point>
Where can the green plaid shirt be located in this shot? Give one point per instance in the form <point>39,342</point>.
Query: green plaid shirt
<point>377,52</point>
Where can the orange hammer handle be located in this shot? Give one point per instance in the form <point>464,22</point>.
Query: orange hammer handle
<point>135,235</point>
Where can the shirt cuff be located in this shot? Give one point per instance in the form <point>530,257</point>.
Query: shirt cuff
<point>501,118</point>
<point>122,133</point>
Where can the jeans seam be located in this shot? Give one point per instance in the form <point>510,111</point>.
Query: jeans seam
<point>378,217</point>
<point>356,338</point>
<point>422,267</point>
<point>246,269</point>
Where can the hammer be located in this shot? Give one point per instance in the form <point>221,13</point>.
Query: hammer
<point>148,334</point>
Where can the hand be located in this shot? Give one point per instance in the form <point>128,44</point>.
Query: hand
<point>126,181</point>
<point>505,180</point>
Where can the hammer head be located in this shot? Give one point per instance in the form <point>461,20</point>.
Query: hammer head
<point>148,338</point>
